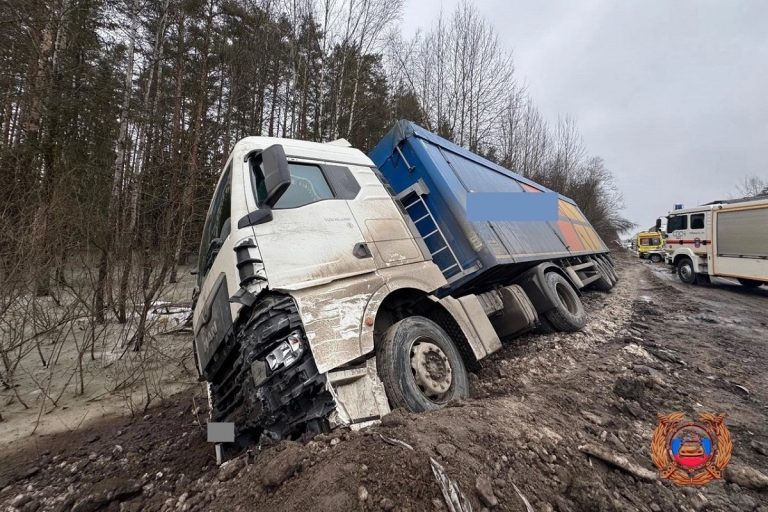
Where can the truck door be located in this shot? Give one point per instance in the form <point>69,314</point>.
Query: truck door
<point>313,238</point>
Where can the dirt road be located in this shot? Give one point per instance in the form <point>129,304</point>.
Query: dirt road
<point>651,346</point>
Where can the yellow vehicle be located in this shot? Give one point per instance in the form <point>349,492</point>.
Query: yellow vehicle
<point>650,245</point>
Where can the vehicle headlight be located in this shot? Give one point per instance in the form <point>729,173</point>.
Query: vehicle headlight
<point>287,352</point>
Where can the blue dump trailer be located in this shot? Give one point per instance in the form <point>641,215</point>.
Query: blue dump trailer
<point>432,178</point>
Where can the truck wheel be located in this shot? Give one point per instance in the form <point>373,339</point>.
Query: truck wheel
<point>655,258</point>
<point>610,268</point>
<point>420,365</point>
<point>568,314</point>
<point>685,271</point>
<point>750,283</point>
<point>605,283</point>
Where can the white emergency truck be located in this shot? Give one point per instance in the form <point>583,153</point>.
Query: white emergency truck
<point>723,239</point>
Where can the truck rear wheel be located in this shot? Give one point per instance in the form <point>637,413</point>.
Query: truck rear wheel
<point>685,271</point>
<point>568,314</point>
<point>610,268</point>
<point>655,258</point>
<point>420,365</point>
<point>605,283</point>
<point>750,283</point>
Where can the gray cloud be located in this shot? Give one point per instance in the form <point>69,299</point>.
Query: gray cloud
<point>673,95</point>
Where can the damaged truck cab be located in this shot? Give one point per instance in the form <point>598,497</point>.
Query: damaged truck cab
<point>305,262</point>
<point>320,302</point>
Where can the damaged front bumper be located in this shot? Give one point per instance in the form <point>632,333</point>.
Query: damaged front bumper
<point>292,398</point>
<point>297,398</point>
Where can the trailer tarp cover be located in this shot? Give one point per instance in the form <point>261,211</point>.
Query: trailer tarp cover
<point>432,177</point>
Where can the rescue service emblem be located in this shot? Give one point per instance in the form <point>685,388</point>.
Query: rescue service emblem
<point>691,452</point>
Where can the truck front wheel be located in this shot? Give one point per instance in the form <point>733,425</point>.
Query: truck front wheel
<point>568,314</point>
<point>420,365</point>
<point>685,271</point>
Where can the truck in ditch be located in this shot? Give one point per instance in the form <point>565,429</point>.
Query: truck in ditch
<point>720,239</point>
<point>334,287</point>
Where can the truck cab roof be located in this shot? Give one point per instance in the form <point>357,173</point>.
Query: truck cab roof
<point>326,152</point>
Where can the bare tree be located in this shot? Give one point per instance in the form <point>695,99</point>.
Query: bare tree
<point>752,186</point>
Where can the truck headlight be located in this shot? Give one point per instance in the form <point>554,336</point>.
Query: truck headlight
<point>287,352</point>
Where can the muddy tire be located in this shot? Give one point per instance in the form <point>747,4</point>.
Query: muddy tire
<point>750,283</point>
<point>685,271</point>
<point>568,314</point>
<point>655,258</point>
<point>420,365</point>
<point>605,283</point>
<point>610,268</point>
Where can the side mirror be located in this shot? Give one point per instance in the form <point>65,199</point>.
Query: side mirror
<point>259,216</point>
<point>274,176</point>
<point>658,224</point>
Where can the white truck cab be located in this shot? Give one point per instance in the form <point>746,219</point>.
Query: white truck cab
<point>302,248</point>
<point>724,239</point>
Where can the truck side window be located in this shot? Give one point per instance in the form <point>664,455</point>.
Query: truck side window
<point>218,223</point>
<point>677,222</point>
<point>697,221</point>
<point>308,185</point>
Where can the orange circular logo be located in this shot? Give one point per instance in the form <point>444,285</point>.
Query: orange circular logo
<point>691,452</point>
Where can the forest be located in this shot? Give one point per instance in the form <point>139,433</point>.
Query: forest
<point>117,115</point>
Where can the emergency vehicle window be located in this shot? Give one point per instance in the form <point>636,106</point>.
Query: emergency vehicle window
<point>677,222</point>
<point>697,221</point>
<point>645,241</point>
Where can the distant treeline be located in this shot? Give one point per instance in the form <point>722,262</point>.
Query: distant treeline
<point>117,115</point>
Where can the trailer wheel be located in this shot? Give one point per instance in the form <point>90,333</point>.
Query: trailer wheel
<point>750,283</point>
<point>605,283</point>
<point>420,365</point>
<point>655,258</point>
<point>568,315</point>
<point>685,271</point>
<point>610,268</point>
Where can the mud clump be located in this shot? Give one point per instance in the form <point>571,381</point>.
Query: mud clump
<point>630,388</point>
<point>284,465</point>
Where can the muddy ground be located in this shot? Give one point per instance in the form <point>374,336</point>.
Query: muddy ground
<point>651,346</point>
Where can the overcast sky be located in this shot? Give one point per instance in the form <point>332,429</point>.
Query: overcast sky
<point>672,94</point>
